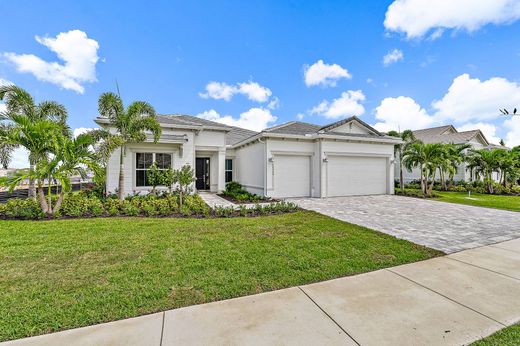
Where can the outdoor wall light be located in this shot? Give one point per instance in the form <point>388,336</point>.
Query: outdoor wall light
<point>271,159</point>
<point>325,159</point>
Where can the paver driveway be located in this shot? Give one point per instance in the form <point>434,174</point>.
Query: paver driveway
<point>444,226</point>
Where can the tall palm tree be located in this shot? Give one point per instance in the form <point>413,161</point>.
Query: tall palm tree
<point>485,162</point>
<point>453,157</point>
<point>131,125</point>
<point>20,104</point>
<point>407,137</point>
<point>428,157</point>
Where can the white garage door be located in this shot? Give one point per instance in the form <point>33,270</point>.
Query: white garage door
<point>292,176</point>
<point>354,175</point>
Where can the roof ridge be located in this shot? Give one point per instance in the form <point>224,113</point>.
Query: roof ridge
<point>435,127</point>
<point>279,126</point>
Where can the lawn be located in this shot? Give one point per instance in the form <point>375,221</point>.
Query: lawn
<point>63,274</point>
<point>480,200</point>
<point>509,336</point>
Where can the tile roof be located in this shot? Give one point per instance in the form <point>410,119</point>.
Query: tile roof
<point>294,128</point>
<point>440,135</point>
<point>181,119</point>
<point>238,134</point>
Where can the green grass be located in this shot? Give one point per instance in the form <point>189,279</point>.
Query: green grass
<point>511,203</point>
<point>63,274</point>
<point>509,336</point>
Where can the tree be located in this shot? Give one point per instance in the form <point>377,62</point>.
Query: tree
<point>155,177</point>
<point>20,104</point>
<point>130,124</point>
<point>67,157</point>
<point>485,162</point>
<point>428,157</point>
<point>6,150</point>
<point>453,157</point>
<point>407,137</point>
<point>184,177</point>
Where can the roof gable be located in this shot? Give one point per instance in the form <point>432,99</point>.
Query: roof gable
<point>352,125</point>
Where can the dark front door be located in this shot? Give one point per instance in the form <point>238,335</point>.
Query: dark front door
<point>202,173</point>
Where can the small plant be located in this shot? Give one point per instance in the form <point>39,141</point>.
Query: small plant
<point>155,177</point>
<point>184,177</point>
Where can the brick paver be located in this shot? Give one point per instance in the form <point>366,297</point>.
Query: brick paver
<point>444,226</point>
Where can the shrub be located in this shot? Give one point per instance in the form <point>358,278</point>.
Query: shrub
<point>236,191</point>
<point>129,208</point>
<point>18,208</point>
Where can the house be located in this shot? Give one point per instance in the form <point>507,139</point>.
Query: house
<point>294,159</point>
<point>448,134</point>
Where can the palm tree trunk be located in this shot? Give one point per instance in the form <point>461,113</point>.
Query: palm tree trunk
<point>121,187</point>
<point>505,178</point>
<point>401,174</point>
<point>58,203</point>
<point>41,199</point>
<point>32,185</point>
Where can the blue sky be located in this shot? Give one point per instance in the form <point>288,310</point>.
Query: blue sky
<point>274,61</point>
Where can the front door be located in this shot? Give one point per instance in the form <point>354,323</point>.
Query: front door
<point>202,173</point>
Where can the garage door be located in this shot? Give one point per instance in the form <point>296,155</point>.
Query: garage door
<point>292,176</point>
<point>353,175</point>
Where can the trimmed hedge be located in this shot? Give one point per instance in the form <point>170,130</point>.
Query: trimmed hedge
<point>237,193</point>
<point>83,205</point>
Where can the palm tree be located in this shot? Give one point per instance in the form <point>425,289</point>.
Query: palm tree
<point>69,156</point>
<point>130,124</point>
<point>454,156</point>
<point>6,150</point>
<point>407,137</point>
<point>485,162</point>
<point>20,104</point>
<point>428,157</point>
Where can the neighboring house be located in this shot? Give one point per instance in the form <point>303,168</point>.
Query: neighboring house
<point>448,134</point>
<point>294,159</point>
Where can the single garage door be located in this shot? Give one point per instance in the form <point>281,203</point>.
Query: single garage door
<point>356,175</point>
<point>292,176</point>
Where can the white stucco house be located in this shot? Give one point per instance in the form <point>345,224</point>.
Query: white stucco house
<point>449,134</point>
<point>294,159</point>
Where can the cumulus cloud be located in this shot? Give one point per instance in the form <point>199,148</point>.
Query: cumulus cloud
<point>417,18</point>
<point>223,91</point>
<point>4,82</point>
<point>392,57</point>
<point>74,48</point>
<point>274,103</point>
<point>324,74</point>
<point>470,99</point>
<point>255,119</point>
<point>512,126</point>
<point>401,113</point>
<point>489,130</point>
<point>348,104</point>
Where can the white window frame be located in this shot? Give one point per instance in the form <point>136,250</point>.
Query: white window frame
<point>226,170</point>
<point>146,169</point>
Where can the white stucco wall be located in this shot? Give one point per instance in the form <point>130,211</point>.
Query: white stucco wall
<point>249,167</point>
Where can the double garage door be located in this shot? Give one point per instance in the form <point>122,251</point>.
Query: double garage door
<point>345,176</point>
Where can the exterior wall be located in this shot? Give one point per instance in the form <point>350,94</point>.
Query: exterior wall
<point>249,166</point>
<point>330,147</point>
<point>204,144</point>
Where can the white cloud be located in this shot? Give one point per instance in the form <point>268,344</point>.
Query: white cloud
<point>323,74</point>
<point>401,113</point>
<point>20,158</point>
<point>74,48</point>
<point>255,119</point>
<point>470,99</point>
<point>489,130</point>
<point>274,103</point>
<point>80,130</point>
<point>2,104</point>
<point>300,116</point>
<point>254,91</point>
<point>223,91</point>
<point>348,104</point>
<point>512,126</point>
<point>393,56</point>
<point>218,91</point>
<point>417,18</point>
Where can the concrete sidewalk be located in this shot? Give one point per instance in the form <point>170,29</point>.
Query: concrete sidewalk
<point>452,300</point>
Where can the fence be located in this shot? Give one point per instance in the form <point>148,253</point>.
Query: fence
<point>24,193</point>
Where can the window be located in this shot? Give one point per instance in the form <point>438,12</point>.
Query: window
<point>229,170</point>
<point>143,162</point>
